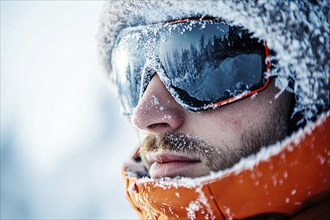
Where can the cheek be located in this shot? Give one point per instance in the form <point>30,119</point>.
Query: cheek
<point>235,124</point>
<point>235,117</point>
<point>223,129</point>
<point>234,120</point>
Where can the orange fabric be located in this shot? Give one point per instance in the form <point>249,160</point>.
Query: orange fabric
<point>318,211</point>
<point>289,183</point>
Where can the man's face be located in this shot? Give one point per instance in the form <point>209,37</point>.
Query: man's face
<point>178,142</point>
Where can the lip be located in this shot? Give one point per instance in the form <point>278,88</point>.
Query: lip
<point>169,157</point>
<point>172,164</point>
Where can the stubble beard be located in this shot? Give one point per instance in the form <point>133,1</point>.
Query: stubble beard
<point>217,158</point>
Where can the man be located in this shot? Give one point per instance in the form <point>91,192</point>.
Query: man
<point>220,92</point>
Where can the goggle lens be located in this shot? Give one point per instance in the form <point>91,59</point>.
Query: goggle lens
<point>203,64</point>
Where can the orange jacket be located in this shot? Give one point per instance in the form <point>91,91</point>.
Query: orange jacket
<point>293,182</point>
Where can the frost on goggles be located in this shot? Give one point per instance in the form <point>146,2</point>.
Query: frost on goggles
<point>204,64</point>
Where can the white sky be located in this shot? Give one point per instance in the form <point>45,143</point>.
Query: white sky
<point>62,139</point>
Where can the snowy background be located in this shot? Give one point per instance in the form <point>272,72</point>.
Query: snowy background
<point>63,140</point>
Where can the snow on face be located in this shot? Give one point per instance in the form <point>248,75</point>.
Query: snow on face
<point>238,16</point>
<point>216,139</point>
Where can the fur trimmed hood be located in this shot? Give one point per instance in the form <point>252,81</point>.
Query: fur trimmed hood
<point>298,31</point>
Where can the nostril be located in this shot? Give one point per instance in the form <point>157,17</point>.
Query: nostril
<point>158,125</point>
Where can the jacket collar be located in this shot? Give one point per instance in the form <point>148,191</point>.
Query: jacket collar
<point>283,179</point>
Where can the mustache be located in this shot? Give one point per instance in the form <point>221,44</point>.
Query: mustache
<point>216,158</point>
<point>172,142</point>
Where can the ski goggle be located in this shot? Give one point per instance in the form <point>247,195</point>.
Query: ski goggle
<point>204,63</point>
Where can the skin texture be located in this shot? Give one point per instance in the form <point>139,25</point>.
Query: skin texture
<point>182,143</point>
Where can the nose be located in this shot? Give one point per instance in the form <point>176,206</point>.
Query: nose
<point>157,111</point>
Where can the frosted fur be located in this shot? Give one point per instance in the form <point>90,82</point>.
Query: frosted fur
<point>298,31</point>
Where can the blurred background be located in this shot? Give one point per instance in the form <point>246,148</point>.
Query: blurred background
<point>63,140</point>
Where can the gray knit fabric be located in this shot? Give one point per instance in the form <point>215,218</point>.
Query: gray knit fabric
<point>298,31</point>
